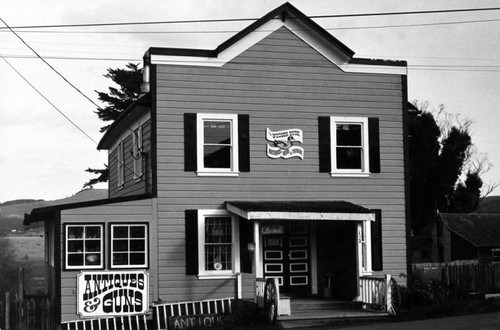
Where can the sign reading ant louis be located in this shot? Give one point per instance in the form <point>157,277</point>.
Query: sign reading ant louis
<point>112,293</point>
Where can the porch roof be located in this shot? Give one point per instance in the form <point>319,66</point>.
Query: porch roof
<point>299,210</point>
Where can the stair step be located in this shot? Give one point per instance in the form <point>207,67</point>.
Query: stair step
<point>298,305</point>
<point>319,318</point>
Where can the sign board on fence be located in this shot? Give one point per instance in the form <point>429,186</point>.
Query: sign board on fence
<point>112,293</point>
<point>197,321</point>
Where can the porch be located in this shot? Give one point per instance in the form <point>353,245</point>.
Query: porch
<point>378,298</point>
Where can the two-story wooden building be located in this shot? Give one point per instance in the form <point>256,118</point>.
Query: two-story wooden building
<point>277,154</point>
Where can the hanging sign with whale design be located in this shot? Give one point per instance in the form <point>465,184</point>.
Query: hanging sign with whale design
<point>284,143</point>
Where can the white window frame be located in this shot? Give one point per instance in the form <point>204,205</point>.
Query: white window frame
<point>365,161</point>
<point>233,170</point>
<point>137,152</point>
<point>202,273</point>
<point>364,248</point>
<point>67,239</point>
<point>146,245</point>
<point>120,165</point>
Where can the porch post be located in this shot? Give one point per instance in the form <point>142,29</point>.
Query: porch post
<point>256,239</point>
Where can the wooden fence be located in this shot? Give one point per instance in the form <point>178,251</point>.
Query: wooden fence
<point>462,277</point>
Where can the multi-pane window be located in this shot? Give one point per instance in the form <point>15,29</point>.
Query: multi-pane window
<point>129,245</point>
<point>217,143</point>
<point>349,145</point>
<point>218,252</point>
<point>218,243</point>
<point>84,246</point>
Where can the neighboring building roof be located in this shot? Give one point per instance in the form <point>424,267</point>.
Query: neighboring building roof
<point>141,106</point>
<point>299,210</point>
<point>481,230</point>
<point>48,212</point>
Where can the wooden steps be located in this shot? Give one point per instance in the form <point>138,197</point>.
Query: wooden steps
<point>309,312</point>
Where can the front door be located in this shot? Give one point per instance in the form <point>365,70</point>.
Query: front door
<point>286,255</point>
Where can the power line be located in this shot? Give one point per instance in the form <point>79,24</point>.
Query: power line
<point>46,99</point>
<point>420,12</point>
<point>440,67</point>
<point>48,64</point>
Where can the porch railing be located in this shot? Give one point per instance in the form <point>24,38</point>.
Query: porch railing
<point>138,322</point>
<point>380,292</point>
<point>162,313</point>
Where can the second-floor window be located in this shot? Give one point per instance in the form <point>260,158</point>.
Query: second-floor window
<point>137,152</point>
<point>217,144</point>
<point>349,145</point>
<point>120,165</point>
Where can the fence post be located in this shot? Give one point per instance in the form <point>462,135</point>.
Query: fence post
<point>7,310</point>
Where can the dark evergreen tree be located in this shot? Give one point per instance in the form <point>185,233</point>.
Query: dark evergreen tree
<point>118,99</point>
<point>437,159</point>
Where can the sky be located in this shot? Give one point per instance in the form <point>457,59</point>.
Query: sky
<point>43,155</point>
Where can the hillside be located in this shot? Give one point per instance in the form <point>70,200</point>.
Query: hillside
<point>12,212</point>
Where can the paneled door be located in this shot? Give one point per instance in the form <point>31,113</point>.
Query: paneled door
<point>286,255</point>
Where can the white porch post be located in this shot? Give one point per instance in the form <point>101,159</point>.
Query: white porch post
<point>256,239</point>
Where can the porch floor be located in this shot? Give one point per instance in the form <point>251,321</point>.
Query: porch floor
<point>316,311</point>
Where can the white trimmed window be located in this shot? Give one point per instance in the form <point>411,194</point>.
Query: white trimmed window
<point>349,146</point>
<point>137,152</point>
<point>364,248</point>
<point>218,235</point>
<point>129,245</point>
<point>217,144</point>
<point>120,165</point>
<point>84,246</point>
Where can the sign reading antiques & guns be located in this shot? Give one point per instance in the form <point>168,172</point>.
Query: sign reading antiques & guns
<point>107,293</point>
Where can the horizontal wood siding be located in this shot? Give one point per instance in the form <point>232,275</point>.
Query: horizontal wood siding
<point>281,83</point>
<point>132,186</point>
<point>136,211</point>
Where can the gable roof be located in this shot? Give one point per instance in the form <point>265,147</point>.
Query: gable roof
<point>141,106</point>
<point>481,230</point>
<point>297,22</point>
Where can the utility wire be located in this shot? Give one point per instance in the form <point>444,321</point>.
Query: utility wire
<point>46,99</point>
<point>420,12</point>
<point>48,64</point>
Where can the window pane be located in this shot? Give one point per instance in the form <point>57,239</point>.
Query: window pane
<point>217,132</point>
<point>120,245</point>
<point>92,259</point>
<point>92,246</point>
<point>75,246</point>
<point>217,157</point>
<point>120,259</point>
<point>349,134</point>
<point>349,158</point>
<point>92,232</point>
<point>137,245</point>
<point>75,232</point>
<point>120,231</point>
<point>75,259</point>
<point>137,259</point>
<point>137,231</point>
<point>218,230</point>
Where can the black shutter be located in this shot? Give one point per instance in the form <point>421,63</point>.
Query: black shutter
<point>376,239</point>
<point>246,236</point>
<point>191,226</point>
<point>190,152</point>
<point>325,164</point>
<point>244,143</point>
<point>374,141</point>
